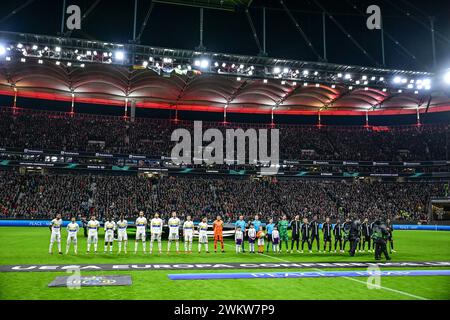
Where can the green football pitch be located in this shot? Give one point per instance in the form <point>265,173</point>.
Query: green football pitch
<point>22,245</point>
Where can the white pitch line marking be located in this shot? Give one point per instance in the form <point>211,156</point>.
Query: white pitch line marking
<point>356,280</point>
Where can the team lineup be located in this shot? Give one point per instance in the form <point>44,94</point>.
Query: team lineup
<point>271,236</point>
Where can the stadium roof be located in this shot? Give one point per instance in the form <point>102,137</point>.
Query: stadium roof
<point>176,79</point>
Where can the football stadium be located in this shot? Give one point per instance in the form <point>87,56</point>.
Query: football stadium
<point>224,150</point>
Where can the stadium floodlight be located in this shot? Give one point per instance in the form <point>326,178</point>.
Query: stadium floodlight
<point>216,64</point>
<point>119,55</point>
<point>250,72</point>
<point>276,70</point>
<point>366,88</point>
<point>204,63</point>
<point>23,60</point>
<point>364,77</point>
<point>410,86</point>
<point>333,86</point>
<point>357,82</point>
<point>339,75</point>
<point>34,47</point>
<point>105,54</point>
<point>8,58</point>
<point>381,78</point>
<point>348,76</point>
<point>404,80</point>
<point>241,66</point>
<point>427,87</point>
<point>316,73</point>
<point>305,84</point>
<point>19,45</point>
<point>58,49</point>
<point>82,65</point>
<point>397,79</point>
<point>145,64</point>
<point>238,78</point>
<point>447,77</point>
<point>416,92</point>
<point>305,72</point>
<point>317,85</point>
<point>69,64</point>
<point>294,83</point>
<point>384,90</point>
<point>265,81</point>
<point>286,70</point>
<point>40,61</point>
<point>400,90</point>
<point>58,63</point>
<point>2,50</point>
<point>350,88</point>
<point>372,79</point>
<point>283,82</point>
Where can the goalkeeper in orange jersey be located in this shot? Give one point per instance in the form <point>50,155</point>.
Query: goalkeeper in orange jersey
<point>218,233</point>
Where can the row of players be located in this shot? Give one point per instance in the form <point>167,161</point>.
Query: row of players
<point>274,234</point>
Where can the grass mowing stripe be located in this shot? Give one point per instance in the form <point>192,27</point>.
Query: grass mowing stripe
<point>352,279</point>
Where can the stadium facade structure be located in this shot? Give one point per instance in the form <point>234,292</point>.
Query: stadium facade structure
<point>76,70</point>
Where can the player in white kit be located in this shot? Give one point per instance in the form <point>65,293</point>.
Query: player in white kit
<point>110,226</point>
<point>72,231</point>
<point>141,225</point>
<point>55,227</point>
<point>156,225</point>
<point>93,226</point>
<point>174,232</point>
<point>188,233</point>
<point>122,234</point>
<point>203,235</point>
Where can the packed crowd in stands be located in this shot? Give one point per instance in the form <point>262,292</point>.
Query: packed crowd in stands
<point>32,129</point>
<point>36,196</point>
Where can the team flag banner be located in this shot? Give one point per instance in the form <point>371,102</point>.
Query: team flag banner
<point>90,281</point>
<point>314,274</point>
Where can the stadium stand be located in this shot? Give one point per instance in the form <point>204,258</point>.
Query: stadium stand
<point>84,132</point>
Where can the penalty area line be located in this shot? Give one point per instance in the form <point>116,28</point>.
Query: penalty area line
<point>352,279</point>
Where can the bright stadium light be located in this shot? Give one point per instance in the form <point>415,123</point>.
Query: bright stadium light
<point>285,70</point>
<point>204,64</point>
<point>348,76</point>
<point>119,55</point>
<point>305,72</point>
<point>58,49</point>
<point>447,77</point>
<point>397,79</point>
<point>145,64</point>
<point>276,70</point>
<point>2,50</point>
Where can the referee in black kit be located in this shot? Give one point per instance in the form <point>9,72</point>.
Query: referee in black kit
<point>315,233</point>
<point>327,229</point>
<point>295,226</point>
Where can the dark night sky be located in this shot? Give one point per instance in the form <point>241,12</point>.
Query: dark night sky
<point>177,27</point>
